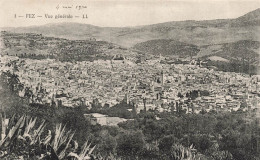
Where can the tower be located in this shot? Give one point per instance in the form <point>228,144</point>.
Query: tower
<point>162,78</point>
<point>152,86</point>
<point>144,101</point>
<point>126,99</point>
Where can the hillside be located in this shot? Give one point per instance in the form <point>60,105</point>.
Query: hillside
<point>37,46</point>
<point>167,47</point>
<point>193,32</point>
<point>230,41</point>
<point>246,51</point>
<point>249,19</point>
<point>239,56</point>
<point>243,51</point>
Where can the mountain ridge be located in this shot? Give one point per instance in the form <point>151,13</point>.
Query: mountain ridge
<point>190,31</point>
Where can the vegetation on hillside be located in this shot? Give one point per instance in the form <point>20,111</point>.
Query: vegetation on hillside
<point>37,46</point>
<point>167,47</point>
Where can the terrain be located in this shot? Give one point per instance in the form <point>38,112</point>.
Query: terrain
<point>37,46</point>
<point>194,32</point>
<point>228,41</point>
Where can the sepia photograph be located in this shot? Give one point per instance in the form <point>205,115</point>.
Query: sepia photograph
<point>130,80</point>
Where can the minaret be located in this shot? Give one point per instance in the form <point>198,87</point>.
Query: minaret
<point>126,98</point>
<point>162,78</point>
<point>152,86</point>
<point>134,106</point>
<point>144,101</point>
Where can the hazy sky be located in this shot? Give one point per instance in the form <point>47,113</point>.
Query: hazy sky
<point>121,13</point>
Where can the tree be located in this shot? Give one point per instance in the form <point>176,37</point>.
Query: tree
<point>28,94</point>
<point>75,120</point>
<point>11,81</point>
<point>130,144</point>
<point>10,86</point>
<point>106,144</point>
<point>166,142</point>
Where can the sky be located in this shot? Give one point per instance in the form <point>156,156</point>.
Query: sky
<point>121,13</point>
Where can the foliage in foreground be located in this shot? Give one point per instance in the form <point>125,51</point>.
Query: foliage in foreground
<point>21,139</point>
<point>24,138</point>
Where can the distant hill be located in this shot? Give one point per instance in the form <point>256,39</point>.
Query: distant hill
<point>249,19</point>
<point>240,56</point>
<point>199,33</point>
<point>167,47</point>
<point>37,46</point>
<point>246,51</point>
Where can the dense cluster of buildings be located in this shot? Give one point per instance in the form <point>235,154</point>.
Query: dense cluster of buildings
<point>146,85</point>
